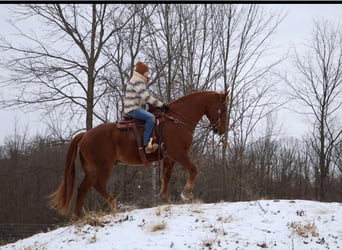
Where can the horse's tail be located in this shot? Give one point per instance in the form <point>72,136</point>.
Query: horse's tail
<point>61,198</point>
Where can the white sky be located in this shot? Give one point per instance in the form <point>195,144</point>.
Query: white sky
<point>294,30</point>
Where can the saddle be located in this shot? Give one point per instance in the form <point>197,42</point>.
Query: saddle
<point>129,123</point>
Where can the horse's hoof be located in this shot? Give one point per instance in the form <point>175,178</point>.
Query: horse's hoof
<point>187,196</point>
<point>74,218</point>
<point>164,199</point>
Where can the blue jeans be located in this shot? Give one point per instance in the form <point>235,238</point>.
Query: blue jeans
<point>150,120</point>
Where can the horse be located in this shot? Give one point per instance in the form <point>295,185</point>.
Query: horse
<point>102,147</point>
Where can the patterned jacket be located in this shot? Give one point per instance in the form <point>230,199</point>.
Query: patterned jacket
<point>137,94</point>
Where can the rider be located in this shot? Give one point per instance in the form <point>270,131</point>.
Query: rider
<point>137,95</point>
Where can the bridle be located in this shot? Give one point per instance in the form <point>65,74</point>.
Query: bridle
<point>220,112</point>
<point>214,125</point>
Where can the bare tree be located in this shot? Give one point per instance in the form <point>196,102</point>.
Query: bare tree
<point>337,159</point>
<point>162,48</point>
<point>244,33</point>
<point>124,50</point>
<point>62,70</point>
<point>319,89</point>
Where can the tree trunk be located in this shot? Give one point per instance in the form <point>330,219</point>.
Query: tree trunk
<point>90,101</point>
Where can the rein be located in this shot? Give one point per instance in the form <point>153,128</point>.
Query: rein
<point>212,125</point>
<point>177,121</point>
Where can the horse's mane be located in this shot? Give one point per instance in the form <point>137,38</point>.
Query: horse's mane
<point>191,95</point>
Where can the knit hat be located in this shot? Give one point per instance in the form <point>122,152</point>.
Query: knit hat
<point>141,67</point>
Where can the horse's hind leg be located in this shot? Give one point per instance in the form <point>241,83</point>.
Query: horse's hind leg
<point>100,186</point>
<point>87,182</point>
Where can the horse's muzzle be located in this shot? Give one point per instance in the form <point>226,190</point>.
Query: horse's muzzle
<point>215,130</point>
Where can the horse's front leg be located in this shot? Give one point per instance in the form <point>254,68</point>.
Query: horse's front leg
<point>186,162</point>
<point>166,175</point>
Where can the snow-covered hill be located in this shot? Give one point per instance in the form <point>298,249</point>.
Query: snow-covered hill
<point>279,224</point>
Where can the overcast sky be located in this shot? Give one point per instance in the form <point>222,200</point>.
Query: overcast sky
<point>294,30</point>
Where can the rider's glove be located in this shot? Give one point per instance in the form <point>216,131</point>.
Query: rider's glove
<point>166,107</point>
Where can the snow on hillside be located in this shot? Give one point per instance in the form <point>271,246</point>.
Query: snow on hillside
<point>279,224</point>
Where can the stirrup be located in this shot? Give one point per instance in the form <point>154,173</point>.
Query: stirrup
<point>151,148</point>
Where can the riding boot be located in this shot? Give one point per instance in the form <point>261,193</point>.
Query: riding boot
<point>150,147</point>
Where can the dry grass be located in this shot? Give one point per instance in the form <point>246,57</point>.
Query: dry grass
<point>158,227</point>
<point>225,219</point>
<point>93,218</point>
<point>263,245</point>
<point>304,230</point>
<point>158,211</point>
<point>163,211</point>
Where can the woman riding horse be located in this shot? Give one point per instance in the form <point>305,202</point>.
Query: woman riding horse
<point>137,96</point>
<point>102,147</point>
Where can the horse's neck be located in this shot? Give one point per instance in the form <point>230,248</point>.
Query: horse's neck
<point>191,108</point>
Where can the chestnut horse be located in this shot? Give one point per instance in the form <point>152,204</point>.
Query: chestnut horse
<point>101,147</point>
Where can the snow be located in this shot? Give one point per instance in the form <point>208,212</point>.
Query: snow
<point>270,224</point>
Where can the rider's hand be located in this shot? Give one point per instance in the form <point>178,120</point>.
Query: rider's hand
<point>166,107</point>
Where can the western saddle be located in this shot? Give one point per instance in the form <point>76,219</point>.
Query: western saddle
<point>129,123</point>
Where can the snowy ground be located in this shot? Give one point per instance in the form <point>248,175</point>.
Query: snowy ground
<point>280,224</point>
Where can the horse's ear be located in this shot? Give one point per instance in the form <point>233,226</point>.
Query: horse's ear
<point>225,96</point>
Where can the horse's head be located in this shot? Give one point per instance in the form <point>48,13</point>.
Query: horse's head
<point>217,113</point>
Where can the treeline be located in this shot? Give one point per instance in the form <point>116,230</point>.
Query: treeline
<point>265,169</point>
<point>189,48</point>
